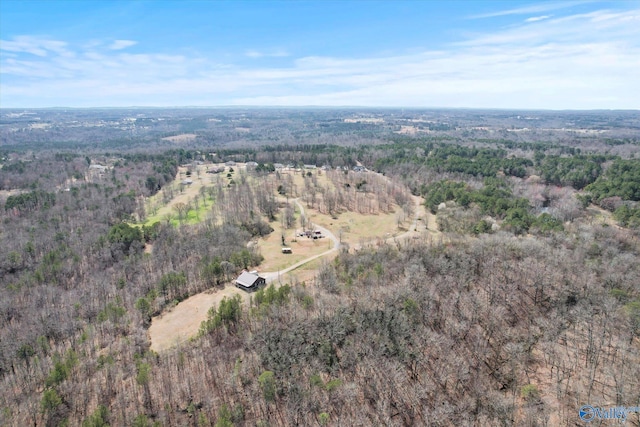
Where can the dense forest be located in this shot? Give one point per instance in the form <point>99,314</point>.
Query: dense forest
<point>524,308</point>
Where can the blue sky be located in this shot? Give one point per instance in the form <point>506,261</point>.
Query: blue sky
<point>469,54</point>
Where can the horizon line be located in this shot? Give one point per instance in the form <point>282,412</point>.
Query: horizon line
<point>331,107</point>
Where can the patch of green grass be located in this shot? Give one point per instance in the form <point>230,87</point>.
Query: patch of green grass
<point>195,216</point>
<point>192,217</point>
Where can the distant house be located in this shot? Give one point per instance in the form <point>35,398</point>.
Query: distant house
<point>250,282</point>
<point>97,171</point>
<point>310,166</point>
<point>287,251</point>
<point>98,168</point>
<point>359,169</point>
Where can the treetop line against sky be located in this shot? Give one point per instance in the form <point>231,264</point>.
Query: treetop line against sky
<point>476,54</point>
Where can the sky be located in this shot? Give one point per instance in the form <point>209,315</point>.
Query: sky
<point>402,53</point>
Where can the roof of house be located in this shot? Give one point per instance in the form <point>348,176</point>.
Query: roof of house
<point>247,279</point>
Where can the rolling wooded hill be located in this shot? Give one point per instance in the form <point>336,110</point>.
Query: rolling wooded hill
<point>524,309</point>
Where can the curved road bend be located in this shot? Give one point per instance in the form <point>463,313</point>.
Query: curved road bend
<point>274,275</point>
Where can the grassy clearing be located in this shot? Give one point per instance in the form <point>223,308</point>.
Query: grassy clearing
<point>307,272</point>
<point>160,211</point>
<point>194,216</point>
<point>351,227</point>
<point>354,228</point>
<point>302,247</point>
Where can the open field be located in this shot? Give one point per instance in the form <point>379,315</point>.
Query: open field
<point>159,211</point>
<point>185,137</point>
<point>352,228</point>
<point>182,322</point>
<point>302,248</point>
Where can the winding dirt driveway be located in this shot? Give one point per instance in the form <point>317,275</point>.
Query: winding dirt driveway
<point>182,322</point>
<point>273,275</point>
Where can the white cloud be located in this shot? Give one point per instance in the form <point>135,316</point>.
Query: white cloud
<point>581,61</point>
<point>534,8</point>
<point>253,54</point>
<point>35,46</point>
<point>582,28</point>
<point>122,44</point>
<point>538,18</point>
<point>279,53</point>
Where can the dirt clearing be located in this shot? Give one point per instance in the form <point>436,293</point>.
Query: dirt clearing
<point>179,139</point>
<point>183,321</point>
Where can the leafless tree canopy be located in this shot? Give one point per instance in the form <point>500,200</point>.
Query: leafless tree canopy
<point>519,306</point>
